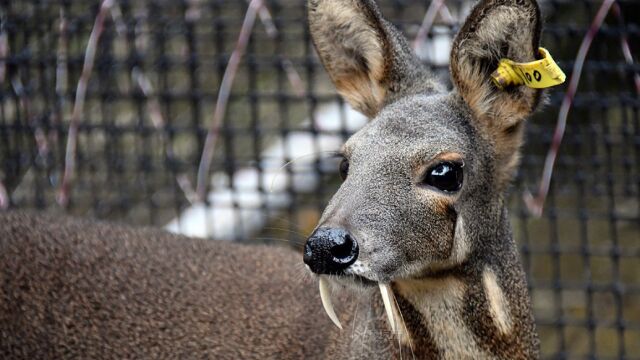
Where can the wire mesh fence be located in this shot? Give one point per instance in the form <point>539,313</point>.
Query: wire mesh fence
<point>131,111</point>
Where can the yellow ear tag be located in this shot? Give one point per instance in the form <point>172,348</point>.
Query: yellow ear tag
<point>537,74</point>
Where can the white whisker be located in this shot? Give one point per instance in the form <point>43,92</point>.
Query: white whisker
<point>275,177</point>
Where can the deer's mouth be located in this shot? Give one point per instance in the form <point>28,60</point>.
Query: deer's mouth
<point>386,292</point>
<point>360,280</point>
<point>354,281</point>
<point>358,275</point>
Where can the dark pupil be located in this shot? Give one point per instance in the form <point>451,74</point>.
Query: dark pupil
<point>344,169</point>
<point>445,176</point>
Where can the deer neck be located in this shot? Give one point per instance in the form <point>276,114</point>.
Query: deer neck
<point>479,310</point>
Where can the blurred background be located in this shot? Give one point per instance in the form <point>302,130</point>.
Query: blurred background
<point>214,118</point>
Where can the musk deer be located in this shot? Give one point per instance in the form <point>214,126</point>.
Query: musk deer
<point>414,250</point>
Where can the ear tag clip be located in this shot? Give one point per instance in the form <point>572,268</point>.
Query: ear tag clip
<point>537,74</point>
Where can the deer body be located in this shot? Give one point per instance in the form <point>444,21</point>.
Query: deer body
<point>415,247</point>
<point>90,290</point>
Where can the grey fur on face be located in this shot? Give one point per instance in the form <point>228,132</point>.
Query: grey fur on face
<point>398,222</point>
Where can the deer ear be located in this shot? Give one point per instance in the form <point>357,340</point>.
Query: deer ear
<point>497,29</point>
<point>367,58</point>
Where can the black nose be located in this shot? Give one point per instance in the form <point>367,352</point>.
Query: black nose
<point>329,251</point>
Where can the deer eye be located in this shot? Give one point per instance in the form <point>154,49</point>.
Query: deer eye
<point>446,176</point>
<point>344,168</point>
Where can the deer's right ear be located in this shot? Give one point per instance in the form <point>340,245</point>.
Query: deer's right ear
<point>366,57</point>
<point>352,45</point>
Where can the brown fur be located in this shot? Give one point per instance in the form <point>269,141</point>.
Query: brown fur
<point>80,289</point>
<point>449,156</point>
<point>88,290</point>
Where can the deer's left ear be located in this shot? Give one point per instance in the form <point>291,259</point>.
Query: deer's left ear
<point>497,29</point>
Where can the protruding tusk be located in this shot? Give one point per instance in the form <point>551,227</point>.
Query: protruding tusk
<point>385,291</point>
<point>326,302</point>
